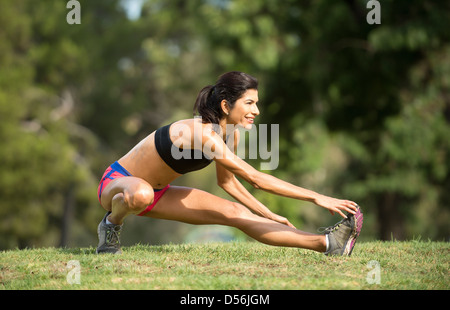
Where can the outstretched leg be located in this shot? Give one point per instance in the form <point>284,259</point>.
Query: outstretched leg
<point>199,207</point>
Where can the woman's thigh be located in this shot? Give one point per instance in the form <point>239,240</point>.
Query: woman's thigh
<point>195,206</point>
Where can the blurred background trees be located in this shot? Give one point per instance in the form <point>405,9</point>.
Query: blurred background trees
<point>364,110</point>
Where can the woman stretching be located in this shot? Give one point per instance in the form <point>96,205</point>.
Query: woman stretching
<point>139,182</point>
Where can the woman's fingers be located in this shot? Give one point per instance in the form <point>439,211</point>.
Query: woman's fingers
<point>338,206</point>
<point>350,206</point>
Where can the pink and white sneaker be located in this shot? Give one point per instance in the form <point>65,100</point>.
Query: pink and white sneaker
<point>342,236</point>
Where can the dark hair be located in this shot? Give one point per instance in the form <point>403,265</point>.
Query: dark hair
<point>230,87</point>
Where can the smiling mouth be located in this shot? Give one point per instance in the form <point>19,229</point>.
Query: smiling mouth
<point>250,119</point>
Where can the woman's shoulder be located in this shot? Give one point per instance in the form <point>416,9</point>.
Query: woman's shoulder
<point>194,127</point>
<point>190,122</point>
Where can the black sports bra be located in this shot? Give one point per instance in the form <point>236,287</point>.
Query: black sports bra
<point>163,143</point>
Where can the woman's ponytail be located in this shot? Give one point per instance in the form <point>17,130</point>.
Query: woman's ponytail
<point>206,106</point>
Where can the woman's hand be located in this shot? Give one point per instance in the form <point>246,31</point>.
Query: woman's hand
<point>281,219</point>
<point>336,205</point>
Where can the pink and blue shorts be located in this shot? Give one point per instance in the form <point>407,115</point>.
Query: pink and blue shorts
<point>116,171</point>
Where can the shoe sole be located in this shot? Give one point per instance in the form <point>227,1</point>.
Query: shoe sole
<point>358,221</point>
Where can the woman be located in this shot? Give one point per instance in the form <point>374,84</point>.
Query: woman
<point>139,182</point>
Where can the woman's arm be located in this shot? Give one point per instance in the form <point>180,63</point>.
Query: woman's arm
<point>274,185</point>
<point>228,182</point>
<point>231,162</point>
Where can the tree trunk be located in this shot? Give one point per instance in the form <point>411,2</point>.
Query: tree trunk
<point>389,218</point>
<point>67,217</point>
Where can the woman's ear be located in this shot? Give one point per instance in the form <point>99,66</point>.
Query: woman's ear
<point>225,107</point>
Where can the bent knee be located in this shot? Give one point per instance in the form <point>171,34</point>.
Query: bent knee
<point>139,198</point>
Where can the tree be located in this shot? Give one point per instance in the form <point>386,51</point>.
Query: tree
<point>363,109</point>
<point>327,75</point>
<point>47,157</point>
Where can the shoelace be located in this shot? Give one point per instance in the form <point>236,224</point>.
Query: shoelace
<point>113,234</point>
<point>330,229</point>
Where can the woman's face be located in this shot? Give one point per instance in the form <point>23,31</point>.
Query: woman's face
<point>245,110</point>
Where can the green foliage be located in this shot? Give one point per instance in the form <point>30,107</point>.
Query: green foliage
<point>44,150</point>
<point>364,110</point>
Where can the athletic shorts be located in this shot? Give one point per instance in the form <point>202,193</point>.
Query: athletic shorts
<point>116,171</point>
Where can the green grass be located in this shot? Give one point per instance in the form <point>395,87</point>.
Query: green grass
<point>228,266</point>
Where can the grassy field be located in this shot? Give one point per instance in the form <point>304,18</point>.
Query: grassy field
<point>230,266</point>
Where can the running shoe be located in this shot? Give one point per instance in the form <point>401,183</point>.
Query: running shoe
<point>342,236</point>
<point>108,236</point>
